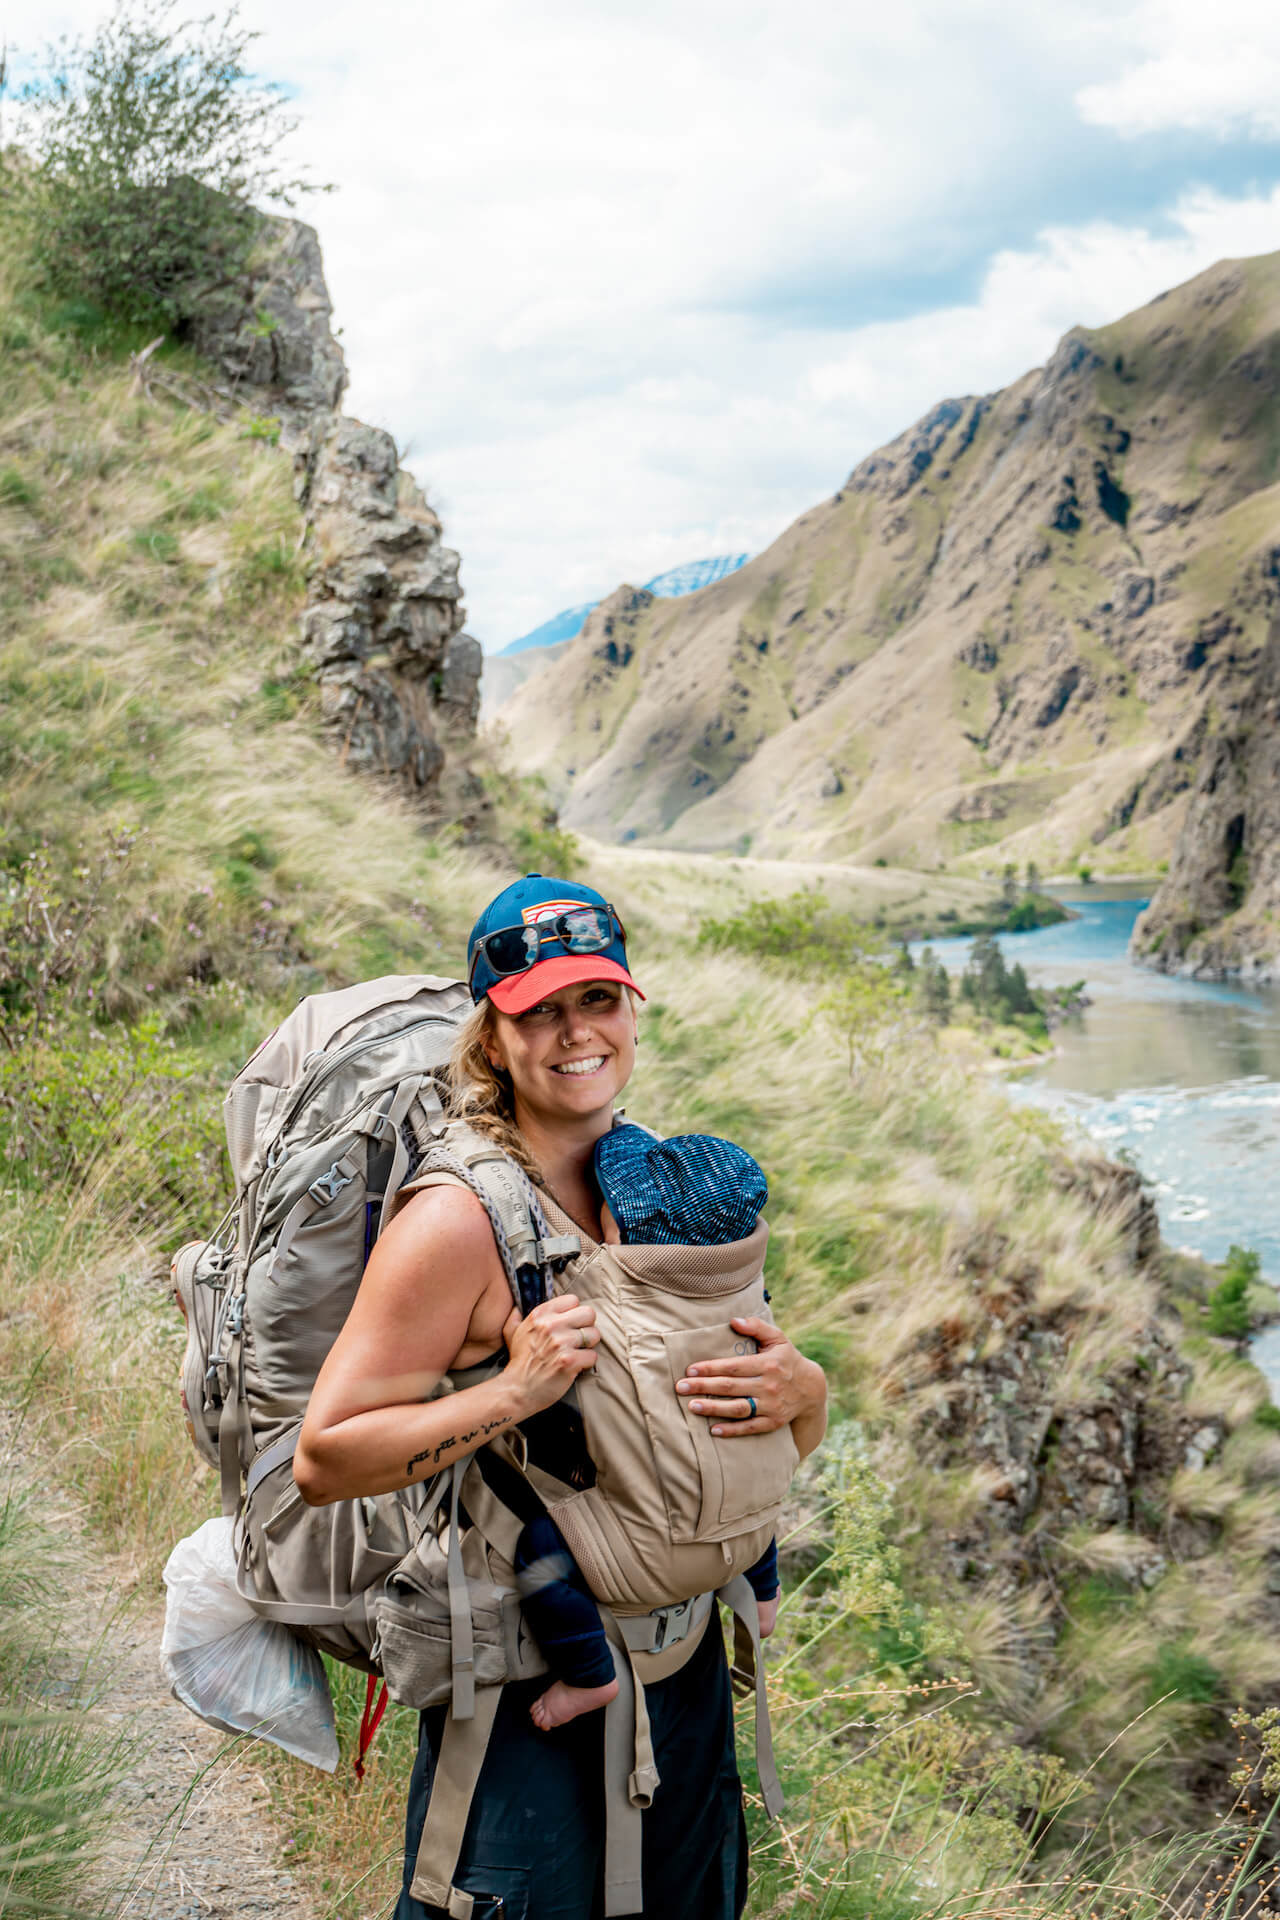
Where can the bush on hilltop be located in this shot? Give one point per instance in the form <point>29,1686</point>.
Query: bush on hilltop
<point>144,150</point>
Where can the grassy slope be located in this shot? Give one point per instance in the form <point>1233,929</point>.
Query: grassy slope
<point>151,589</point>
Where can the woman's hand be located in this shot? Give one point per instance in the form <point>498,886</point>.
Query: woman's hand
<point>768,1612</point>
<point>788,1390</point>
<point>549,1349</point>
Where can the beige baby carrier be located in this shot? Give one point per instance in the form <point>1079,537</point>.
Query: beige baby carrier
<point>418,1585</point>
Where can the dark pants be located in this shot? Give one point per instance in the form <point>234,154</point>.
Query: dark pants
<point>535,1836</point>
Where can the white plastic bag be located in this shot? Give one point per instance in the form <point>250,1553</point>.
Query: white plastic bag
<point>238,1672</point>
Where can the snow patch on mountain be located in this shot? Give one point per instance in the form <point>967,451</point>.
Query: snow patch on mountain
<point>671,585</point>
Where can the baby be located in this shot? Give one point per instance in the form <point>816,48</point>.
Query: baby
<point>691,1191</point>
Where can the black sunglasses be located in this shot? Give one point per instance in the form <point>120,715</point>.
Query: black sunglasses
<point>511,950</point>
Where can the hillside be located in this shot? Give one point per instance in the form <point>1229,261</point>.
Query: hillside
<point>504,673</point>
<point>1010,634</point>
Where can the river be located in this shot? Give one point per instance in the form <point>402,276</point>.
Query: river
<point>1180,1075</point>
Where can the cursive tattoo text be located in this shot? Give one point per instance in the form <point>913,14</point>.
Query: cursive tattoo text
<point>433,1454</point>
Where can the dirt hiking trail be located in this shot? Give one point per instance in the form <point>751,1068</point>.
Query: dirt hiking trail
<point>189,1833</point>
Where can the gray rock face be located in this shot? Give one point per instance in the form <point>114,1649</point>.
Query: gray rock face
<point>399,680</point>
<point>1215,914</point>
<point>271,331</point>
<point>383,625</point>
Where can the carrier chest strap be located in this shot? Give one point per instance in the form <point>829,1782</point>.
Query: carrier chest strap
<point>655,1632</point>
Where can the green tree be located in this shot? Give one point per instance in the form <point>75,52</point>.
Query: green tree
<point>1033,878</point>
<point>1009,886</point>
<point>986,978</point>
<point>1018,995</point>
<point>143,151</point>
<point>934,987</point>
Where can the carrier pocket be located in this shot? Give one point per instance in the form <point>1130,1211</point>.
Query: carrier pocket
<point>714,1489</point>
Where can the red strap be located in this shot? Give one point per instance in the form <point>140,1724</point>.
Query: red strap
<point>370,1721</point>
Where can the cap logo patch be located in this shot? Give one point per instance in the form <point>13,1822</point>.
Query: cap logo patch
<point>548,909</point>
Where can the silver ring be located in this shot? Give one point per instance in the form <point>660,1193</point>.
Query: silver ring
<point>751,1403</point>
<point>582,1337</point>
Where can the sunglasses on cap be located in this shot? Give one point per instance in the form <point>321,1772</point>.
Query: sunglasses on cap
<point>511,950</point>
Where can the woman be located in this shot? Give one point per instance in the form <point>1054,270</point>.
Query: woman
<point>539,1067</point>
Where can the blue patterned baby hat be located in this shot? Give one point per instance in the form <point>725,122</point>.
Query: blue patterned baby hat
<point>694,1190</point>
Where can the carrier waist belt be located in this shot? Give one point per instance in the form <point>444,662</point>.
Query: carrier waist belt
<point>651,1632</point>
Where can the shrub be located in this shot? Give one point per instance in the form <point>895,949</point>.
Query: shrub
<point>15,489</point>
<point>150,143</point>
<point>800,928</point>
<point>1228,1305</point>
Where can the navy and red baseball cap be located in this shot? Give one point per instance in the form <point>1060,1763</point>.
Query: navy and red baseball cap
<point>539,934</point>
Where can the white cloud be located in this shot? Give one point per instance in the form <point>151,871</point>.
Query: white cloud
<point>608,272</point>
<point>1209,68</point>
<point>1081,276</point>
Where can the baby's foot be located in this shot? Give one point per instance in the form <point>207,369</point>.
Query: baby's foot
<point>561,1703</point>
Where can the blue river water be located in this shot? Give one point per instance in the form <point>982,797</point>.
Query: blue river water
<point>1182,1076</point>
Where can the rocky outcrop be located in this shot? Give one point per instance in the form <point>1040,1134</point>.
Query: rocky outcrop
<point>270,331</point>
<point>1217,914</point>
<point>988,1386</point>
<point>399,679</point>
<point>383,624</point>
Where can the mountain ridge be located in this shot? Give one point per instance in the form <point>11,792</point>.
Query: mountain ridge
<point>1013,632</point>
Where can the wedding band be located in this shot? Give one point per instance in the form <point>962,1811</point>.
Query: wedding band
<point>582,1337</point>
<point>751,1403</point>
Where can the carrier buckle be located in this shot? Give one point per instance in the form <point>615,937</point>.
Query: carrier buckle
<point>670,1624</point>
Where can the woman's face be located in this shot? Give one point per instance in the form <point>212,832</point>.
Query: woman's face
<point>571,1055</point>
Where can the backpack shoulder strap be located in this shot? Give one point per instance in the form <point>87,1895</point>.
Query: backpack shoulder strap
<point>521,1230</point>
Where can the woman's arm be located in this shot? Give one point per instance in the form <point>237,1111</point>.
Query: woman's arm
<point>433,1284</point>
<point>788,1389</point>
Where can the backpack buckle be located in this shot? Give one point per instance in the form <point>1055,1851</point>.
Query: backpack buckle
<point>557,1250</point>
<point>329,1185</point>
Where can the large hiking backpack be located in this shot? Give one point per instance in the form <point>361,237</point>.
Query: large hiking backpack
<point>334,1113</point>
<point>330,1114</point>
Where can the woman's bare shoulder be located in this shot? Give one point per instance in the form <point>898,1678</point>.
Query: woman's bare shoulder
<point>442,1225</point>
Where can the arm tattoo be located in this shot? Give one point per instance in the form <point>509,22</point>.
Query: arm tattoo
<point>433,1454</point>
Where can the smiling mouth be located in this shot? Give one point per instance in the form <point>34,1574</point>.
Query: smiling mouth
<point>592,1064</point>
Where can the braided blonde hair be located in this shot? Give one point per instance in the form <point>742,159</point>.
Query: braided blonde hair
<point>482,1095</point>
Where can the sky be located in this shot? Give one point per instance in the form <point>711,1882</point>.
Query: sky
<point>632,285</point>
